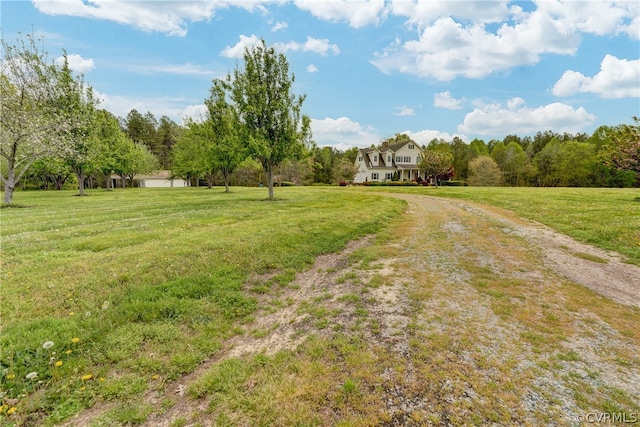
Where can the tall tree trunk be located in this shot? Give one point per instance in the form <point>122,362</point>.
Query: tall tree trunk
<point>80,175</point>
<point>268,170</point>
<point>8,192</point>
<point>225,175</point>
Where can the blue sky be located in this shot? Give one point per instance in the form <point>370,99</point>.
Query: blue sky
<point>370,69</point>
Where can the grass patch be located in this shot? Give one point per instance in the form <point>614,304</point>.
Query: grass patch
<point>590,257</point>
<point>138,284</point>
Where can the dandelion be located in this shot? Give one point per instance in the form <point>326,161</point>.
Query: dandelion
<point>72,313</point>
<point>47,345</point>
<point>59,363</point>
<point>102,379</point>
<point>83,388</point>
<point>11,376</point>
<point>86,377</point>
<point>155,377</point>
<point>31,375</point>
<point>68,352</point>
<point>11,410</point>
<point>75,340</point>
<point>87,314</point>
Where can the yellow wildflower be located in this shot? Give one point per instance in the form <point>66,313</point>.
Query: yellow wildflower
<point>72,313</point>
<point>155,377</point>
<point>59,363</point>
<point>87,377</point>
<point>75,340</point>
<point>68,351</point>
<point>11,410</point>
<point>101,379</point>
<point>11,376</point>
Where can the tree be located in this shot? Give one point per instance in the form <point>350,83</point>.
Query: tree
<point>167,134</point>
<point>32,125</point>
<point>78,105</point>
<point>514,163</point>
<point>226,150</point>
<point>622,149</point>
<point>190,160</point>
<point>484,171</point>
<point>111,143</point>
<point>272,121</point>
<point>345,170</point>
<point>435,163</point>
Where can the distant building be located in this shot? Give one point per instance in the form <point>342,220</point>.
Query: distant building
<point>160,179</point>
<point>381,163</point>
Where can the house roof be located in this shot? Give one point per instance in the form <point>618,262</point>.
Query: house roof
<point>163,174</point>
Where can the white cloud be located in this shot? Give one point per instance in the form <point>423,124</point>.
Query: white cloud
<point>448,49</point>
<point>445,100</point>
<point>171,17</point>
<point>618,78</point>
<point>161,16</point>
<point>421,13</point>
<point>455,41</point>
<point>424,137</point>
<point>237,51</point>
<point>495,119</point>
<point>321,46</point>
<point>312,68</point>
<point>77,63</point>
<point>342,132</point>
<point>279,26</point>
<point>405,111</point>
<point>358,13</point>
<point>179,69</point>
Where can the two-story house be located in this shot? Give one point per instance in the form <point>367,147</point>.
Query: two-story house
<point>380,163</point>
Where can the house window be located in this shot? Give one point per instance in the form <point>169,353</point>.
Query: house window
<point>388,158</point>
<point>411,146</point>
<point>375,158</point>
<point>407,159</point>
<point>360,158</point>
<point>418,159</point>
<point>374,175</point>
<point>389,175</point>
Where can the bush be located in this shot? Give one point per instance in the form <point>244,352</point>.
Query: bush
<point>287,184</point>
<point>453,183</point>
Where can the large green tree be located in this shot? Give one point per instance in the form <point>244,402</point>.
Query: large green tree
<point>271,118</point>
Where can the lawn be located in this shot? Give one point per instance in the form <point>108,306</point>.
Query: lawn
<point>109,295</point>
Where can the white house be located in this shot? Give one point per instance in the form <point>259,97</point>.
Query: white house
<point>161,179</point>
<point>380,163</point>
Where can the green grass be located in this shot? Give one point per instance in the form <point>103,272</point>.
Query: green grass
<point>608,218</point>
<point>149,282</point>
<point>136,288</point>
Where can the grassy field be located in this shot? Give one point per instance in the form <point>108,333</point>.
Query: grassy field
<point>137,287</point>
<point>106,297</point>
<point>608,218</point>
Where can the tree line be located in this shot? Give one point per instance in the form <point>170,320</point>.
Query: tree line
<point>53,134</point>
<point>610,157</point>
